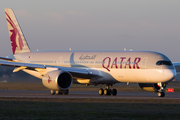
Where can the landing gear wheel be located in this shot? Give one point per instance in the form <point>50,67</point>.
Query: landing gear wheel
<point>101,91</point>
<point>114,92</point>
<point>160,94</point>
<point>52,92</point>
<point>107,92</point>
<point>58,92</point>
<point>66,92</point>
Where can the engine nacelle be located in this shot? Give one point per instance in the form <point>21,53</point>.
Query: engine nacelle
<point>57,80</point>
<point>152,87</point>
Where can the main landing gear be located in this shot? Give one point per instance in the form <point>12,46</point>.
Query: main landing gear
<point>107,91</point>
<point>60,92</point>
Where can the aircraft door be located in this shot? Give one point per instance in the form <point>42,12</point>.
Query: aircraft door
<point>144,62</point>
<point>59,61</point>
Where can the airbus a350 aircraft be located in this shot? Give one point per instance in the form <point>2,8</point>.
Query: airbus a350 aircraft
<point>60,69</point>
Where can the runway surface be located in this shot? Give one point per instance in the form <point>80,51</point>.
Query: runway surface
<point>85,94</point>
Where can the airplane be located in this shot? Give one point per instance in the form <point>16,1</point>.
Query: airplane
<point>60,69</point>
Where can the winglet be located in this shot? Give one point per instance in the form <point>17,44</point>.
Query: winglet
<point>18,41</point>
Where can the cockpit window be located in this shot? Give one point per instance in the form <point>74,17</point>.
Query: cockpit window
<point>169,63</point>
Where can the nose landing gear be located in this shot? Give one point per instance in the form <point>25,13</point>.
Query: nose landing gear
<point>160,94</point>
<point>162,88</point>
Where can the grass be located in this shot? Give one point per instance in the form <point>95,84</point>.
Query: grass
<point>76,87</point>
<point>22,86</point>
<point>93,100</point>
<point>87,111</point>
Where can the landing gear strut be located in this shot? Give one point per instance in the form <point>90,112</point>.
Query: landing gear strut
<point>59,92</point>
<point>107,91</point>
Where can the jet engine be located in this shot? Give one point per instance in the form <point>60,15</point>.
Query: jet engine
<point>152,87</point>
<point>57,80</point>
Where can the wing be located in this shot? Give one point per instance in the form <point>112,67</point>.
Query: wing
<point>176,64</point>
<point>8,59</point>
<point>76,72</point>
<point>18,64</point>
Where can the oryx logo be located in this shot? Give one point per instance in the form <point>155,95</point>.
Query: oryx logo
<point>16,40</point>
<point>49,79</point>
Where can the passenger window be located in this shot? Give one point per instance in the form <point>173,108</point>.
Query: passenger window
<point>169,63</point>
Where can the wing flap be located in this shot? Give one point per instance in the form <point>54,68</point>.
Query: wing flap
<point>74,70</point>
<point>19,68</point>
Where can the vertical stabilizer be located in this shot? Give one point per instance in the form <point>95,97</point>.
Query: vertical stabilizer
<point>18,41</point>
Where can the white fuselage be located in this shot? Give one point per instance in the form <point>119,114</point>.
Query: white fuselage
<point>113,66</point>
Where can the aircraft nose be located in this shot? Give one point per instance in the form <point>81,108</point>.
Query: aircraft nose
<point>170,74</point>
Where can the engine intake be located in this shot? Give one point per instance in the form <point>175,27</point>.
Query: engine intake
<point>57,80</point>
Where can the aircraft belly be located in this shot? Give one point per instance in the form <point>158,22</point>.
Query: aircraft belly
<point>149,76</point>
<point>139,76</point>
<point>119,75</point>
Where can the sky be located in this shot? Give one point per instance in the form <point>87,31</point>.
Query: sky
<point>96,25</point>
